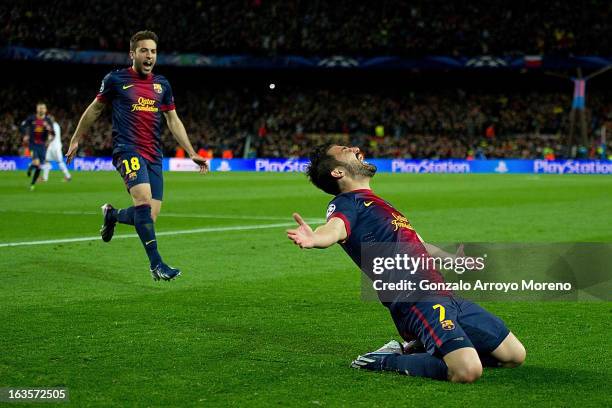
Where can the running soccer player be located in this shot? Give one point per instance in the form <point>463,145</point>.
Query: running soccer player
<point>138,98</point>
<point>448,338</point>
<point>54,153</point>
<point>38,132</point>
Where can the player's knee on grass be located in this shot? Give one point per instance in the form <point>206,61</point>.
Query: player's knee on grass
<point>463,365</point>
<point>468,372</point>
<point>511,352</point>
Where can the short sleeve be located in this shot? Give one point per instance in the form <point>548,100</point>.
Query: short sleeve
<point>344,208</point>
<point>106,93</point>
<point>167,103</point>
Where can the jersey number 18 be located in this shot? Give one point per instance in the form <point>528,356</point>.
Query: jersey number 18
<point>132,165</point>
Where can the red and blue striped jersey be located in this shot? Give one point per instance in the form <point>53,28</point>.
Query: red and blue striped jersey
<point>138,102</point>
<point>37,129</point>
<point>371,221</point>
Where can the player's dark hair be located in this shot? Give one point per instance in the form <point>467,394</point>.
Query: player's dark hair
<point>320,168</point>
<point>142,35</point>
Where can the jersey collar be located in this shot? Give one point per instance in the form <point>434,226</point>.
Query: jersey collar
<point>137,75</point>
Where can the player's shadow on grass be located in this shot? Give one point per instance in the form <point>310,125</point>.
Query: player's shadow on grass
<point>541,375</point>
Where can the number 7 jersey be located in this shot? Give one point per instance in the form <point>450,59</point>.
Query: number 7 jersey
<point>374,224</point>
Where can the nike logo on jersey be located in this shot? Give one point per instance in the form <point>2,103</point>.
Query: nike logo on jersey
<point>127,86</point>
<point>368,203</point>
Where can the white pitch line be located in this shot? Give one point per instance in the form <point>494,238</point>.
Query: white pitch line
<point>162,233</point>
<point>174,215</point>
<point>52,212</point>
<point>225,217</point>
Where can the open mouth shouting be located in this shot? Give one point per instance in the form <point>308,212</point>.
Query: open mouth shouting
<point>361,157</point>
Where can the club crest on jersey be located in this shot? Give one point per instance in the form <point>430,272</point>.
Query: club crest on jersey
<point>157,88</point>
<point>330,210</point>
<point>448,324</point>
<point>400,222</point>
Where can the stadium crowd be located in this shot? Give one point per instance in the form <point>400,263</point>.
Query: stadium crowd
<point>288,122</point>
<point>272,27</point>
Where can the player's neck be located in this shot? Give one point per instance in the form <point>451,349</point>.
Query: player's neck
<point>140,74</point>
<point>40,116</point>
<point>352,185</point>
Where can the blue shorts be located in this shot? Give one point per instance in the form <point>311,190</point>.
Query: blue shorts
<point>38,152</point>
<point>447,324</point>
<point>135,169</point>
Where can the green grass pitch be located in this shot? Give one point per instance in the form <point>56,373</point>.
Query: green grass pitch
<point>254,321</point>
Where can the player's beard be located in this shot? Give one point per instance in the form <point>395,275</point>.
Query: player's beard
<point>360,169</point>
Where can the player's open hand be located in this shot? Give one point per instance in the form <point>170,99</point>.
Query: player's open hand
<point>72,151</point>
<point>200,161</point>
<point>303,236</point>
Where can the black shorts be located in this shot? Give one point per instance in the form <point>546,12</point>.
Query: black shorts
<point>38,152</point>
<point>135,169</point>
<point>447,324</point>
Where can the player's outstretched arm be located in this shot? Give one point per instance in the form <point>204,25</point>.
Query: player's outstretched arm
<point>23,129</point>
<point>324,236</point>
<point>180,135</point>
<point>91,114</point>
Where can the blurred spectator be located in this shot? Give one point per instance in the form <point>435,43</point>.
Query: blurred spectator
<point>341,27</point>
<point>442,124</point>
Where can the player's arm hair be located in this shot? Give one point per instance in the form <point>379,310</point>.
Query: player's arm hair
<point>178,131</point>
<point>328,234</point>
<point>91,114</point>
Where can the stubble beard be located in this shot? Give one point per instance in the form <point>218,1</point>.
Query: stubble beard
<point>361,169</point>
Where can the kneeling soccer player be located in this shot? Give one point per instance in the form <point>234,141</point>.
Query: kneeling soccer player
<point>452,347</point>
